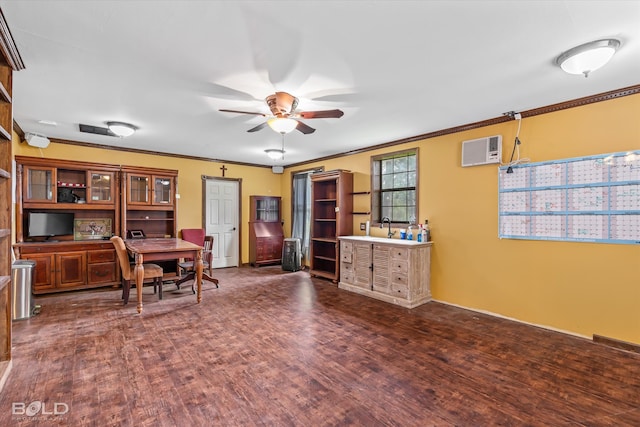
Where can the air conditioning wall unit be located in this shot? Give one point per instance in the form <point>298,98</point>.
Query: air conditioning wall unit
<point>482,151</point>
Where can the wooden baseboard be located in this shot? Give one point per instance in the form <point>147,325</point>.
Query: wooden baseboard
<point>612,342</point>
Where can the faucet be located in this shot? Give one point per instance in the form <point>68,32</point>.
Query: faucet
<point>387,220</point>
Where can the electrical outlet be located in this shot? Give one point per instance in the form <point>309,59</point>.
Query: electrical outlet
<point>363,226</point>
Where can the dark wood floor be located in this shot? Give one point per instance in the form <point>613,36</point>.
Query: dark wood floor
<point>277,348</point>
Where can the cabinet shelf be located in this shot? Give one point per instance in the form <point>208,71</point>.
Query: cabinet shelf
<point>149,219</point>
<point>324,239</point>
<point>4,94</point>
<point>62,206</point>
<point>4,134</point>
<point>361,213</point>
<point>166,208</point>
<point>325,219</point>
<point>326,200</point>
<point>71,185</point>
<point>326,258</point>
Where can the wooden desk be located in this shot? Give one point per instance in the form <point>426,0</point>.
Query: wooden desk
<point>149,250</point>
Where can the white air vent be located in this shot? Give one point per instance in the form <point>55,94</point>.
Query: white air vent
<point>482,151</point>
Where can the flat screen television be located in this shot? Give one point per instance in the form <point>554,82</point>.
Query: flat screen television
<point>48,224</point>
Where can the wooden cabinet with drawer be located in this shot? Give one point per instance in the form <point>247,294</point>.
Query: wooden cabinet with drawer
<point>356,264</point>
<point>62,266</point>
<point>266,236</point>
<point>390,270</point>
<point>101,267</point>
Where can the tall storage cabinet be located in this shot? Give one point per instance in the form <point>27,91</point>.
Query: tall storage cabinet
<point>10,61</point>
<point>265,230</point>
<point>149,205</point>
<point>331,216</point>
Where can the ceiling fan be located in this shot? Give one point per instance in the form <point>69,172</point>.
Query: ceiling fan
<point>284,116</point>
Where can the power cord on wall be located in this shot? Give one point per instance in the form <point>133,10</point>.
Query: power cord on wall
<point>516,142</point>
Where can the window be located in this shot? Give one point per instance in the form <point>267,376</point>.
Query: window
<point>395,182</point>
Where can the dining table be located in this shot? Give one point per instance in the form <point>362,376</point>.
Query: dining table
<point>162,249</point>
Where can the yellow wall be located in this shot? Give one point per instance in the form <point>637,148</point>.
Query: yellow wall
<point>581,288</point>
<point>255,180</point>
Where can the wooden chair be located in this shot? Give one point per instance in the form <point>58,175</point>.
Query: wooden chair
<point>197,236</point>
<point>152,272</point>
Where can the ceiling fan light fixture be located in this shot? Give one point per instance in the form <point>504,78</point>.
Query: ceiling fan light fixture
<point>588,57</point>
<point>275,154</point>
<point>282,124</point>
<point>121,129</point>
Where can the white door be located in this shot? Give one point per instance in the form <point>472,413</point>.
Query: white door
<point>222,220</point>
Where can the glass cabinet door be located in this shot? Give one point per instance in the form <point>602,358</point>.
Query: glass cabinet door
<point>101,187</point>
<point>265,208</point>
<point>162,190</point>
<point>39,184</point>
<point>138,189</point>
<point>272,210</point>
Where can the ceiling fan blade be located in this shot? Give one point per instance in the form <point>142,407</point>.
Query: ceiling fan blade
<point>257,128</point>
<point>325,114</point>
<point>306,129</point>
<point>243,112</point>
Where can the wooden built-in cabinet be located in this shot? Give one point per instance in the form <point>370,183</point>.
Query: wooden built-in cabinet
<point>149,201</point>
<point>126,198</point>
<point>391,270</point>
<point>62,266</point>
<point>149,205</point>
<point>331,216</point>
<point>10,61</point>
<point>265,230</point>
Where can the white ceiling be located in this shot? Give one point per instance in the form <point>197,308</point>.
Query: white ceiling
<point>396,68</point>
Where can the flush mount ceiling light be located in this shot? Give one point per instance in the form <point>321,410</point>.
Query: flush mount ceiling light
<point>275,154</point>
<point>282,124</point>
<point>121,129</point>
<point>587,57</point>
